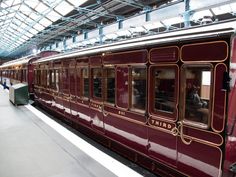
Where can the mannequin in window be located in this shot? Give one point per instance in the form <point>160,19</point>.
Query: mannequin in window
<point>196,100</point>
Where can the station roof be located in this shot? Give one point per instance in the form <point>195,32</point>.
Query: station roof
<point>27,23</point>
<point>32,24</point>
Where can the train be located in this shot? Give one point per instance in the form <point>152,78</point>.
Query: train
<point>165,101</point>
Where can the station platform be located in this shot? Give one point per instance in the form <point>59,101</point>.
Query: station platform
<point>30,147</point>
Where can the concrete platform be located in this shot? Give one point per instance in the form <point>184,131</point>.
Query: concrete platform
<point>31,148</point>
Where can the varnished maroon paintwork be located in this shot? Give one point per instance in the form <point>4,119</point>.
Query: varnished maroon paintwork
<point>219,99</point>
<point>164,54</point>
<point>213,51</point>
<point>131,115</point>
<point>199,159</point>
<point>147,135</point>
<point>204,135</point>
<point>230,149</point>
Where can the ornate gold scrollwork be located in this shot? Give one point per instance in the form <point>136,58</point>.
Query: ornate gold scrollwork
<point>180,127</point>
<point>175,131</point>
<point>102,110</point>
<point>179,131</point>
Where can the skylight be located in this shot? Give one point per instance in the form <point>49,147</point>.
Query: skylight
<point>64,8</point>
<point>20,20</point>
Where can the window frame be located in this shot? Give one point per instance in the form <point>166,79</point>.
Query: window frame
<point>131,89</point>
<point>93,97</point>
<point>170,116</point>
<point>105,85</point>
<point>183,93</point>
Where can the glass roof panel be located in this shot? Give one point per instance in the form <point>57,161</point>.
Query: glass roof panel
<point>17,2</point>
<point>38,27</point>
<point>31,3</point>
<point>41,8</point>
<point>25,10</point>
<point>16,21</point>
<point>23,25</point>
<point>10,15</point>
<point>29,34</point>
<point>14,26</point>
<point>25,37</point>
<point>3,5</point>
<point>45,22</point>
<point>64,8</point>
<point>16,7</point>
<point>54,16</point>
<point>33,31</point>
<point>9,2</point>
<point>35,16</point>
<point>76,2</point>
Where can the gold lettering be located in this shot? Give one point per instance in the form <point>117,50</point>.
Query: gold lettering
<point>164,125</point>
<point>169,126</point>
<point>152,121</point>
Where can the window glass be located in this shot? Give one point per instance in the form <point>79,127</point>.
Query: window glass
<point>85,76</point>
<point>122,87</point>
<point>44,78</point>
<point>97,82</point>
<point>57,76</point>
<point>72,81</point>
<point>65,81</point>
<point>51,79</point>
<point>38,75</point>
<point>197,93</point>
<point>164,82</point>
<point>78,85</point>
<point>109,75</point>
<point>139,88</point>
<point>48,78</point>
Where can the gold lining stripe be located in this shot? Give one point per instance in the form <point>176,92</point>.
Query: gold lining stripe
<point>225,103</point>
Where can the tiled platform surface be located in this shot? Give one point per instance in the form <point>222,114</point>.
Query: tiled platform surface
<point>30,148</point>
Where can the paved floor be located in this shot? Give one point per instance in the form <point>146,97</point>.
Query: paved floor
<point>30,148</point>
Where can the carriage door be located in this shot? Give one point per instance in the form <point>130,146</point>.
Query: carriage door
<point>96,102</point>
<point>163,104</point>
<point>202,108</point>
<point>66,88</point>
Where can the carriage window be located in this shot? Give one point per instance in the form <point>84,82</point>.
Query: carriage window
<point>97,82</point>
<point>139,88</point>
<point>78,85</point>
<point>57,80</point>
<point>197,94</point>
<point>85,76</point>
<point>109,85</point>
<point>72,81</point>
<point>48,79</point>
<point>38,76</point>
<point>65,81</point>
<point>164,82</point>
<point>44,78</point>
<point>52,79</point>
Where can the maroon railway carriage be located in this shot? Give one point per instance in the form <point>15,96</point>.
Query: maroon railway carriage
<point>21,70</point>
<point>165,102</point>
